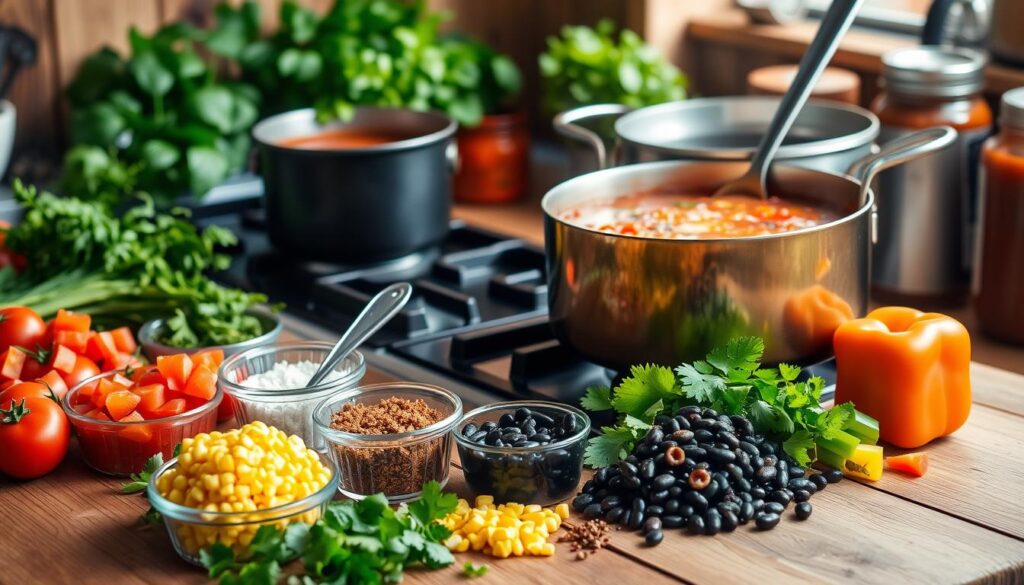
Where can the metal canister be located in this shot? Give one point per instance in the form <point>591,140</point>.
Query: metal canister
<point>927,208</point>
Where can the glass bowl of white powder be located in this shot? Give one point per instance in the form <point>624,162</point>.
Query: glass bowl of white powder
<point>270,384</point>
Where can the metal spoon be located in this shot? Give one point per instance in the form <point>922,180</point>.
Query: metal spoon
<point>837,20</point>
<point>377,312</point>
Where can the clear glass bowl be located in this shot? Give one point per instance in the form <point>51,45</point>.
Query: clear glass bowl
<point>289,409</point>
<point>398,464</point>
<point>122,448</point>
<point>543,475</point>
<point>193,530</point>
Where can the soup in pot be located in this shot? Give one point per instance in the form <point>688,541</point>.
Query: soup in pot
<point>343,138</point>
<point>686,216</point>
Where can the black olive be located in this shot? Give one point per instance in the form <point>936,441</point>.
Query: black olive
<point>654,537</point>
<point>803,510</point>
<point>672,521</point>
<point>713,523</point>
<point>592,511</point>
<point>729,521</point>
<point>695,524</point>
<point>774,508</point>
<point>766,521</point>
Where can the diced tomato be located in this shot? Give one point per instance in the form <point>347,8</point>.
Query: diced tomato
<point>124,339</point>
<point>137,433</point>
<point>194,402</point>
<point>170,408</point>
<point>226,409</point>
<point>85,368</point>
<point>92,348</point>
<point>104,341</point>
<point>202,383</point>
<point>77,341</point>
<point>97,414</point>
<point>11,362</point>
<point>85,409</point>
<point>176,368</point>
<point>915,464</point>
<point>122,380</point>
<point>151,398</point>
<point>63,359</point>
<point>68,321</point>
<point>55,383</point>
<point>142,371</point>
<point>104,387</point>
<point>208,357</point>
<point>121,403</point>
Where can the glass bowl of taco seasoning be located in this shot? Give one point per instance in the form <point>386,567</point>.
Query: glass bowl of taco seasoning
<point>389,438</point>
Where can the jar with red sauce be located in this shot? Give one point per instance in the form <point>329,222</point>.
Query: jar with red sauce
<point>999,280</point>
<point>927,207</point>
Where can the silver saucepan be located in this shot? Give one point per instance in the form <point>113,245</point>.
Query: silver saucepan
<point>622,300</point>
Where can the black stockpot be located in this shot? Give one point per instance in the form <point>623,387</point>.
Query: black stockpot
<point>357,205</point>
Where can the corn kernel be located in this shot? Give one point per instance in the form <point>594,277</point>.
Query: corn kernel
<point>562,510</point>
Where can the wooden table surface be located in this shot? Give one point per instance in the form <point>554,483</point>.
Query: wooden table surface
<point>962,522</point>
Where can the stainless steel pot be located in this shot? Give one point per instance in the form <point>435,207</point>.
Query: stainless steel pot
<point>623,300</point>
<point>358,204</point>
<point>826,136</point>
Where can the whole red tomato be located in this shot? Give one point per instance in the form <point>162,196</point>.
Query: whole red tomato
<point>23,390</point>
<point>84,369</point>
<point>34,433</point>
<point>21,326</point>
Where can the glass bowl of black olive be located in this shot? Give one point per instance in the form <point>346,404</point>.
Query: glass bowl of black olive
<point>529,452</point>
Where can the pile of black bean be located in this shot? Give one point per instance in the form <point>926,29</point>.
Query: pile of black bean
<point>536,475</point>
<point>703,471</point>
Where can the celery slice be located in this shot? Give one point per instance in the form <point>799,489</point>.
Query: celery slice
<point>863,427</point>
<point>831,458</point>
<point>841,443</point>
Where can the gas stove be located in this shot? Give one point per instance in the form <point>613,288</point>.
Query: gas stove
<point>476,324</point>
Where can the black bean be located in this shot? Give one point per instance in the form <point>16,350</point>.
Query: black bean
<point>593,511</point>
<point>767,449</point>
<point>493,436</point>
<point>729,439</point>
<point>757,462</point>
<point>479,436</point>
<point>512,438</point>
<point>655,510</point>
<point>833,475</point>
<point>541,437</point>
<point>747,469</point>
<point>749,449</point>
<point>588,486</point>
<point>469,430</point>
<point>703,436</point>
<point>675,491</point>
<point>614,515</point>
<point>647,469</point>
<point>654,537</point>
<point>801,484</point>
<point>801,496</point>
<point>686,511</point>
<point>645,450</point>
<point>693,452</point>
<point>695,524</point>
<point>672,521</point>
<point>632,483</point>
<point>682,436</point>
<point>627,469</point>
<point>803,510</point>
<point>582,501</point>
<point>713,523</point>
<point>721,455</point>
<point>746,512</point>
<point>742,425</point>
<point>796,471</point>
<point>766,521</point>
<point>745,497</point>
<point>695,499</point>
<point>703,424</point>
<point>671,506</point>
<point>781,496</point>
<point>758,493</point>
<point>637,510</point>
<point>729,521</point>
<point>655,435</point>
<point>741,485</point>
<point>663,481</point>
<point>543,419</point>
<point>670,426</point>
<point>611,502</point>
<point>709,413</point>
<point>765,474</point>
<point>782,476</point>
<point>615,483</point>
<point>758,505</point>
<point>489,426</point>
<point>711,490</point>
<point>685,410</point>
<point>819,481</point>
<point>568,424</point>
<point>659,496</point>
<point>522,414</point>
<point>625,518</point>
<point>650,524</point>
<point>774,508</point>
<point>527,444</point>
<point>683,422</point>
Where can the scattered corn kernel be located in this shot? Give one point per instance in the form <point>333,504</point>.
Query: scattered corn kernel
<point>504,530</point>
<point>238,471</point>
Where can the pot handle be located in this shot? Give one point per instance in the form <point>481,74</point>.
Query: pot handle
<point>566,125</point>
<point>898,151</point>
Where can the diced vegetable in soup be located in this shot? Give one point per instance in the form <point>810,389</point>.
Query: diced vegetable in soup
<point>678,216</point>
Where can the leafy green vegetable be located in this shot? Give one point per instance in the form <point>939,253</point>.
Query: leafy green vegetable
<point>587,65</point>
<point>140,480</point>
<point>353,542</point>
<point>131,268</point>
<point>470,570</point>
<point>731,381</point>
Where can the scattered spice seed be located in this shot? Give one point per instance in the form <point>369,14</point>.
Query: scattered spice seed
<point>587,538</point>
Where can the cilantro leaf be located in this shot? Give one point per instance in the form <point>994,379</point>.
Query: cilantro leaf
<point>833,421</point>
<point>436,556</point>
<point>699,386</point>
<point>471,570</point>
<point>140,480</point>
<point>217,559</point>
<point>597,399</point>
<point>433,504</point>
<point>635,423</point>
<point>769,417</point>
<point>798,446</point>
<point>643,388</point>
<point>739,358</point>
<point>788,372</point>
<point>610,446</point>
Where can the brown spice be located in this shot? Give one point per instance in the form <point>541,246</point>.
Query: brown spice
<point>587,538</point>
<point>393,469</point>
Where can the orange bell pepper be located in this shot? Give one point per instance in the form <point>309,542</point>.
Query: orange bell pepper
<point>908,369</point>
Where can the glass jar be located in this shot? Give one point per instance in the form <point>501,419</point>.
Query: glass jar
<point>999,281</point>
<point>494,159</point>
<point>926,208</point>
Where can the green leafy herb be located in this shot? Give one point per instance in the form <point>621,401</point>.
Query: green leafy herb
<point>132,267</point>
<point>586,65</point>
<point>730,380</point>
<point>140,480</point>
<point>353,542</point>
<point>471,570</point>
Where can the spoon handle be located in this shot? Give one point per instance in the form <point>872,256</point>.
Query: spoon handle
<point>377,312</point>
<point>833,26</point>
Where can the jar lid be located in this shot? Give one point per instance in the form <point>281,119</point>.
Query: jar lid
<point>1011,112</point>
<point>933,71</point>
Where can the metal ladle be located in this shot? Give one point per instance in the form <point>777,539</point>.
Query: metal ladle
<point>837,20</point>
<point>374,315</point>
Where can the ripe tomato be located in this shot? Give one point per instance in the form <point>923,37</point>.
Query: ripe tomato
<point>84,368</point>
<point>21,326</point>
<point>34,433</point>
<point>23,390</point>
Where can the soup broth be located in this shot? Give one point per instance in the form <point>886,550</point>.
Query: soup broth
<point>685,216</point>
<point>342,138</point>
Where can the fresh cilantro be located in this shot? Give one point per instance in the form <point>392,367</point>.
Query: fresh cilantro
<point>833,420</point>
<point>140,480</point>
<point>610,446</point>
<point>597,399</point>
<point>643,389</point>
<point>798,446</point>
<point>470,570</point>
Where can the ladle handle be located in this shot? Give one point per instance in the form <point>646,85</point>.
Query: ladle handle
<point>837,19</point>
<point>374,315</point>
<point>565,124</point>
<point>898,151</point>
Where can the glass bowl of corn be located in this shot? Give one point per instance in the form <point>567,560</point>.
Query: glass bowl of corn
<point>224,486</point>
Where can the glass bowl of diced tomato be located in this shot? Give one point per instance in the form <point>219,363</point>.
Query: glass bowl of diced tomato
<point>124,417</point>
